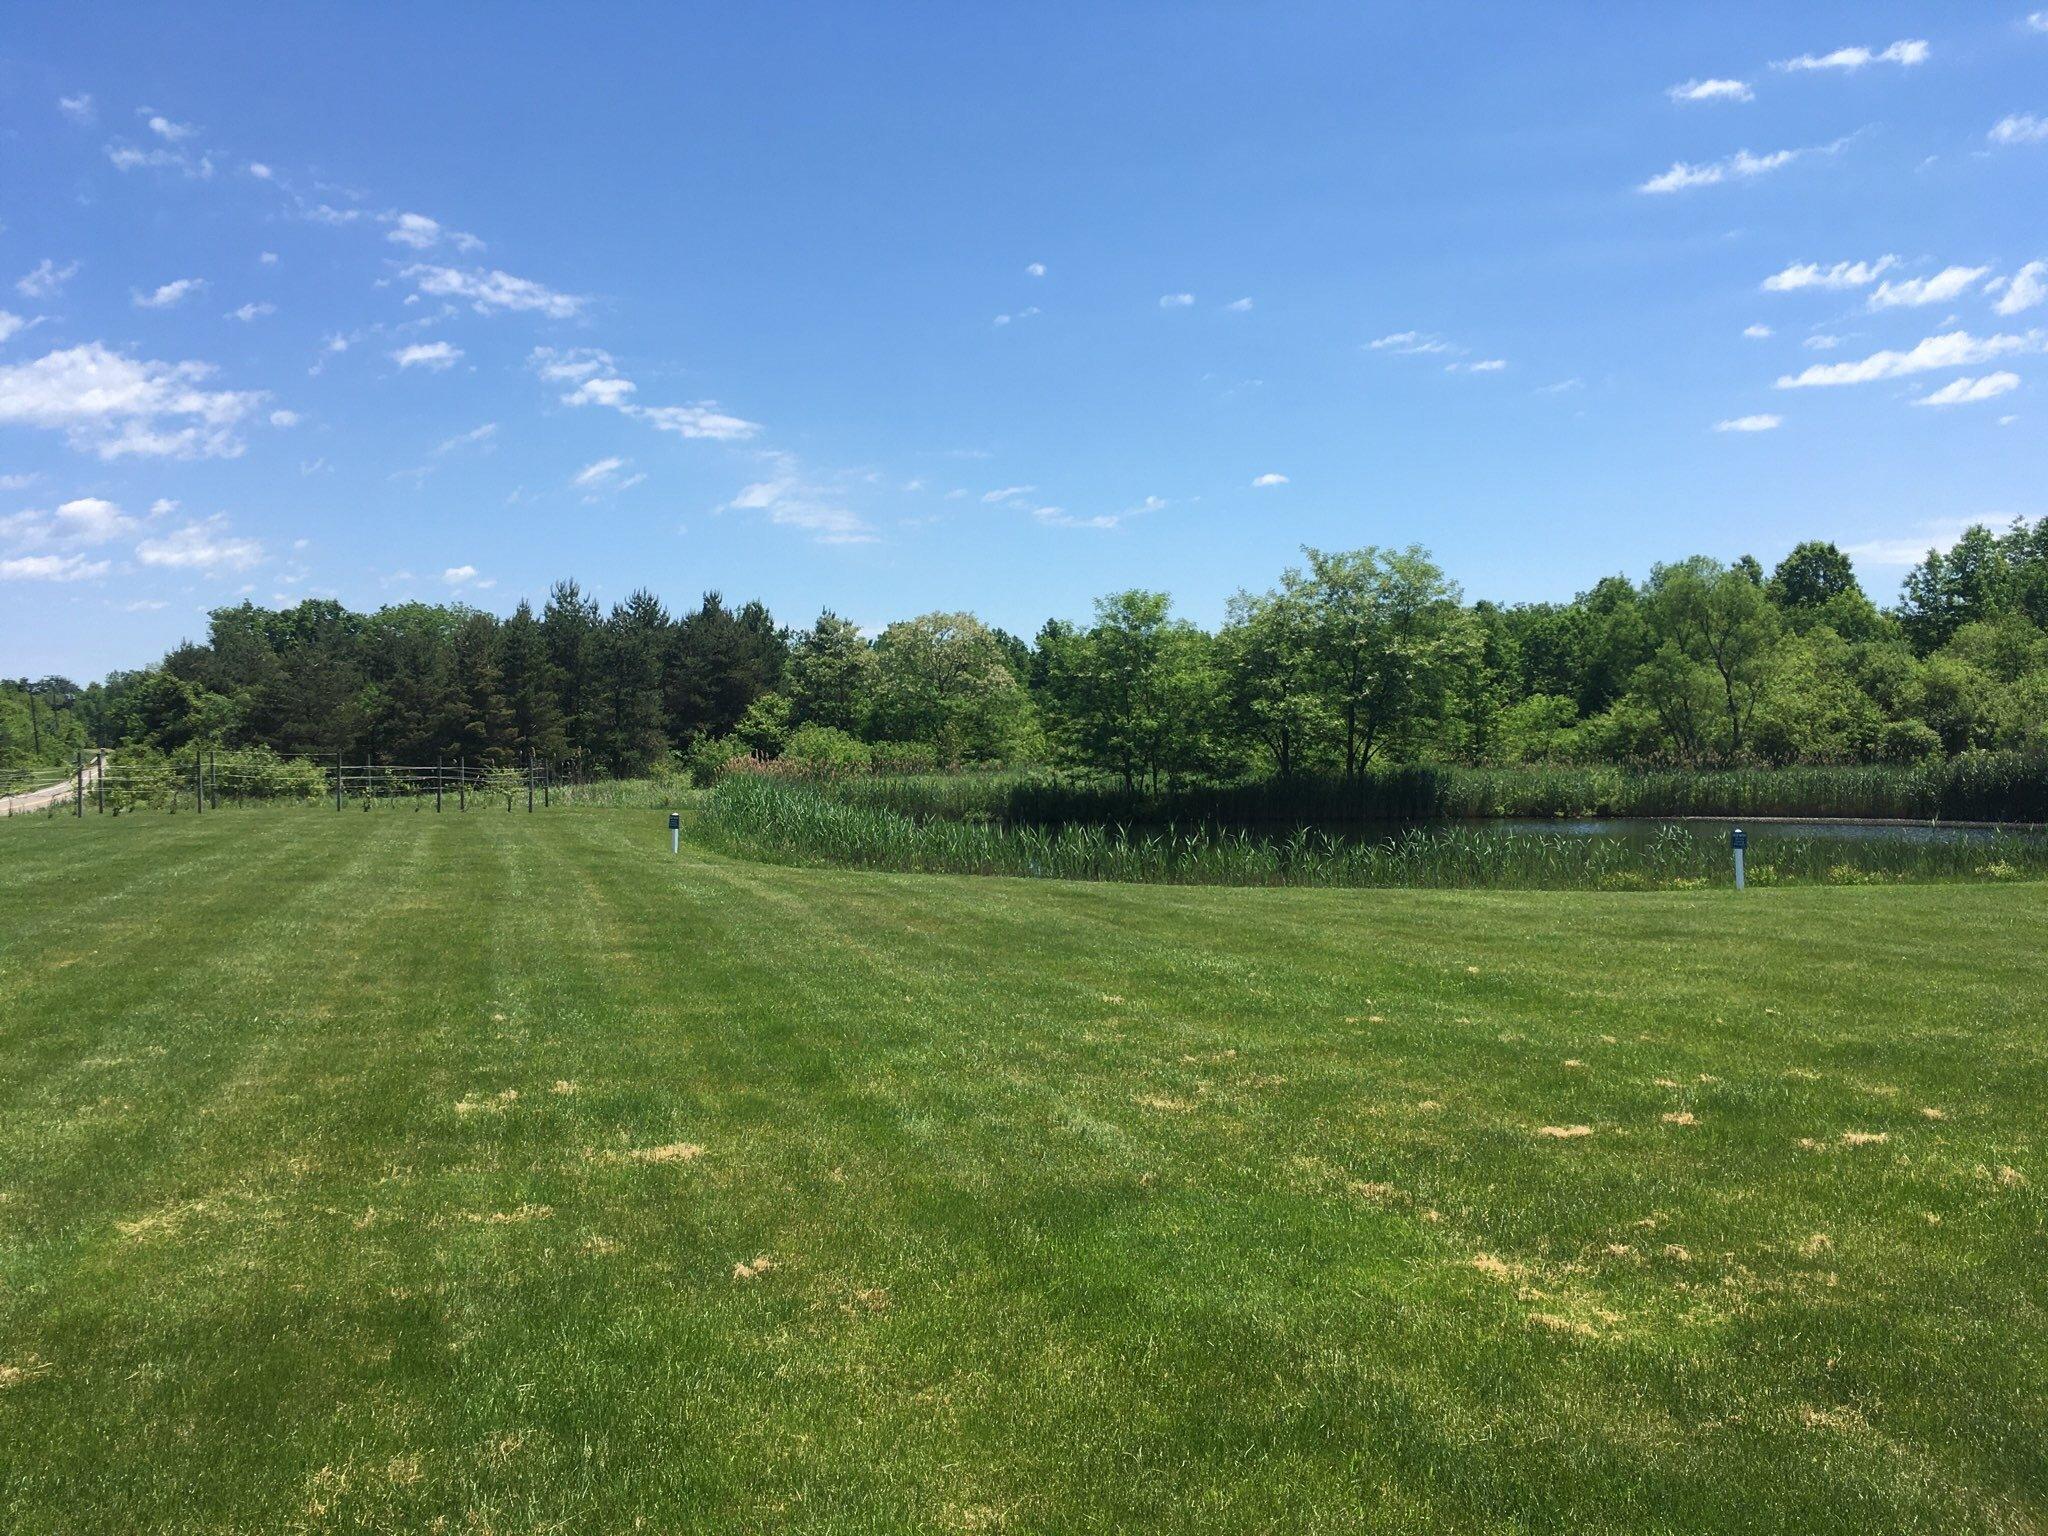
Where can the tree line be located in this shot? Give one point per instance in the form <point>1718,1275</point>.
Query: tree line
<point>1352,659</point>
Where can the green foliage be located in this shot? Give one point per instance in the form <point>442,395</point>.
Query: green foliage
<point>828,752</point>
<point>780,819</point>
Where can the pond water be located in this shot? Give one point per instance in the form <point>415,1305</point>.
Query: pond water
<point>1635,828</point>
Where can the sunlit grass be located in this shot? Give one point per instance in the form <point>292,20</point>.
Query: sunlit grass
<point>495,1172</point>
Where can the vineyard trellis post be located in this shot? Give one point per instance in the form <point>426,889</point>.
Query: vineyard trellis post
<point>99,779</point>
<point>462,783</point>
<point>198,782</point>
<point>438,762</point>
<point>529,781</point>
<point>78,772</point>
<point>337,778</point>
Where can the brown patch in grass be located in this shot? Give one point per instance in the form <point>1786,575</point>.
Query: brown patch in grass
<point>1496,1268</point>
<point>1556,1324</point>
<point>1865,1138</point>
<point>1665,1082</point>
<point>1813,1247</point>
<point>1681,1117</point>
<point>1564,1132</point>
<point>563,1087</point>
<point>865,1301</point>
<point>1374,1194</point>
<point>1929,1112</point>
<point>1162,1103</point>
<point>1430,1105</point>
<point>30,1369</point>
<point>673,1152</point>
<point>507,1218</point>
<point>1678,1253</point>
<point>470,1104</point>
<point>748,1271</point>
<point>601,1247</point>
<point>403,1471</point>
<point>161,1223</point>
<point>1573,1061</point>
<point>1841,1420</point>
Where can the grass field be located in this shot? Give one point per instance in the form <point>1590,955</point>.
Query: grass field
<point>369,1172</point>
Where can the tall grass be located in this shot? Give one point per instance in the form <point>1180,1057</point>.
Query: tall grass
<point>1979,786</point>
<point>794,823</point>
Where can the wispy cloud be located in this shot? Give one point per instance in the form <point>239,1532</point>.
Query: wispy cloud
<point>595,374</point>
<point>475,437</point>
<point>1411,343</point>
<point>1036,269</point>
<point>200,546</point>
<point>491,291</point>
<point>1843,274</point>
<point>46,280</point>
<point>1970,391</point>
<point>1711,90</point>
<point>169,294</point>
<point>1261,481</point>
<point>1908,51</point>
<point>1239,306</point>
<point>2026,290</point>
<point>598,473</point>
<point>1007,493</point>
<point>1758,332</point>
<point>79,109</point>
<point>255,310</point>
<point>51,568</point>
<point>1956,349</point>
<point>1762,422</point>
<point>1740,166</point>
<point>2020,128</point>
<point>1176,300</point>
<point>421,233</point>
<point>790,499</point>
<point>431,355</point>
<point>1913,292</point>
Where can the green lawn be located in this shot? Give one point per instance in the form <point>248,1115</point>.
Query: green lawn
<point>503,1173</point>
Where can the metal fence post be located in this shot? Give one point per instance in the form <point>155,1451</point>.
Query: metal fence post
<point>99,779</point>
<point>1738,841</point>
<point>78,774</point>
<point>437,786</point>
<point>462,783</point>
<point>337,778</point>
<point>198,782</point>
<point>529,781</point>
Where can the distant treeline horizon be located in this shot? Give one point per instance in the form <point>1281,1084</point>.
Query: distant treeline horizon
<point>1351,659</point>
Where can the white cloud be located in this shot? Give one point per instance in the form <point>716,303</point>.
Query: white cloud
<point>1409,343</point>
<point>1740,166</point>
<point>1910,549</point>
<point>459,575</point>
<point>1239,306</point>
<point>599,383</point>
<point>51,568</point>
<point>1175,300</point>
<point>1843,274</point>
<point>201,546</point>
<point>2038,20</point>
<point>1268,479</point>
<point>1484,365</point>
<point>434,355</point>
<point>475,437</point>
<point>1907,51</point>
<point>417,231</point>
<point>1758,423</point>
<point>488,291</point>
<point>793,502</point>
<point>702,420</point>
<point>268,258</point>
<point>78,108</point>
<point>1969,391</point>
<point>45,280</point>
<point>9,324</point>
<point>262,172</point>
<point>1023,314</point>
<point>1821,341</point>
<point>114,405</point>
<point>126,157</point>
<point>169,294</point>
<point>284,418</point>
<point>1910,293</point>
<point>1036,269</point>
<point>598,473</point>
<point>255,310</point>
<point>1007,493</point>
<point>422,233</point>
<point>2020,128</point>
<point>1757,332</point>
<point>86,522</point>
<point>161,506</point>
<point>167,130</point>
<point>2026,290</point>
<point>1957,349</point>
<point>1711,90</point>
<point>1059,517</point>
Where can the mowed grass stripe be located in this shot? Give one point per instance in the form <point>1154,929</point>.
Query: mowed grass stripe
<point>1086,1208</point>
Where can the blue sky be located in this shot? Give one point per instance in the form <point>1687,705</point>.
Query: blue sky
<point>891,308</point>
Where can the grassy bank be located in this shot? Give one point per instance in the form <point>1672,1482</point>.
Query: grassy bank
<point>808,824</point>
<point>505,1173</point>
<point>1982,786</point>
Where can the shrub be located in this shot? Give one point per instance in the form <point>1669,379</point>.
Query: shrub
<point>829,753</point>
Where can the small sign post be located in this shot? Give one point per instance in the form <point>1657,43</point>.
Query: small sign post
<point>1738,840</point>
<point>675,831</point>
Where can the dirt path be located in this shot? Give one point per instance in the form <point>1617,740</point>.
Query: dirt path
<point>54,794</point>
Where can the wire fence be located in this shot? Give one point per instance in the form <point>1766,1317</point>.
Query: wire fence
<point>103,782</point>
